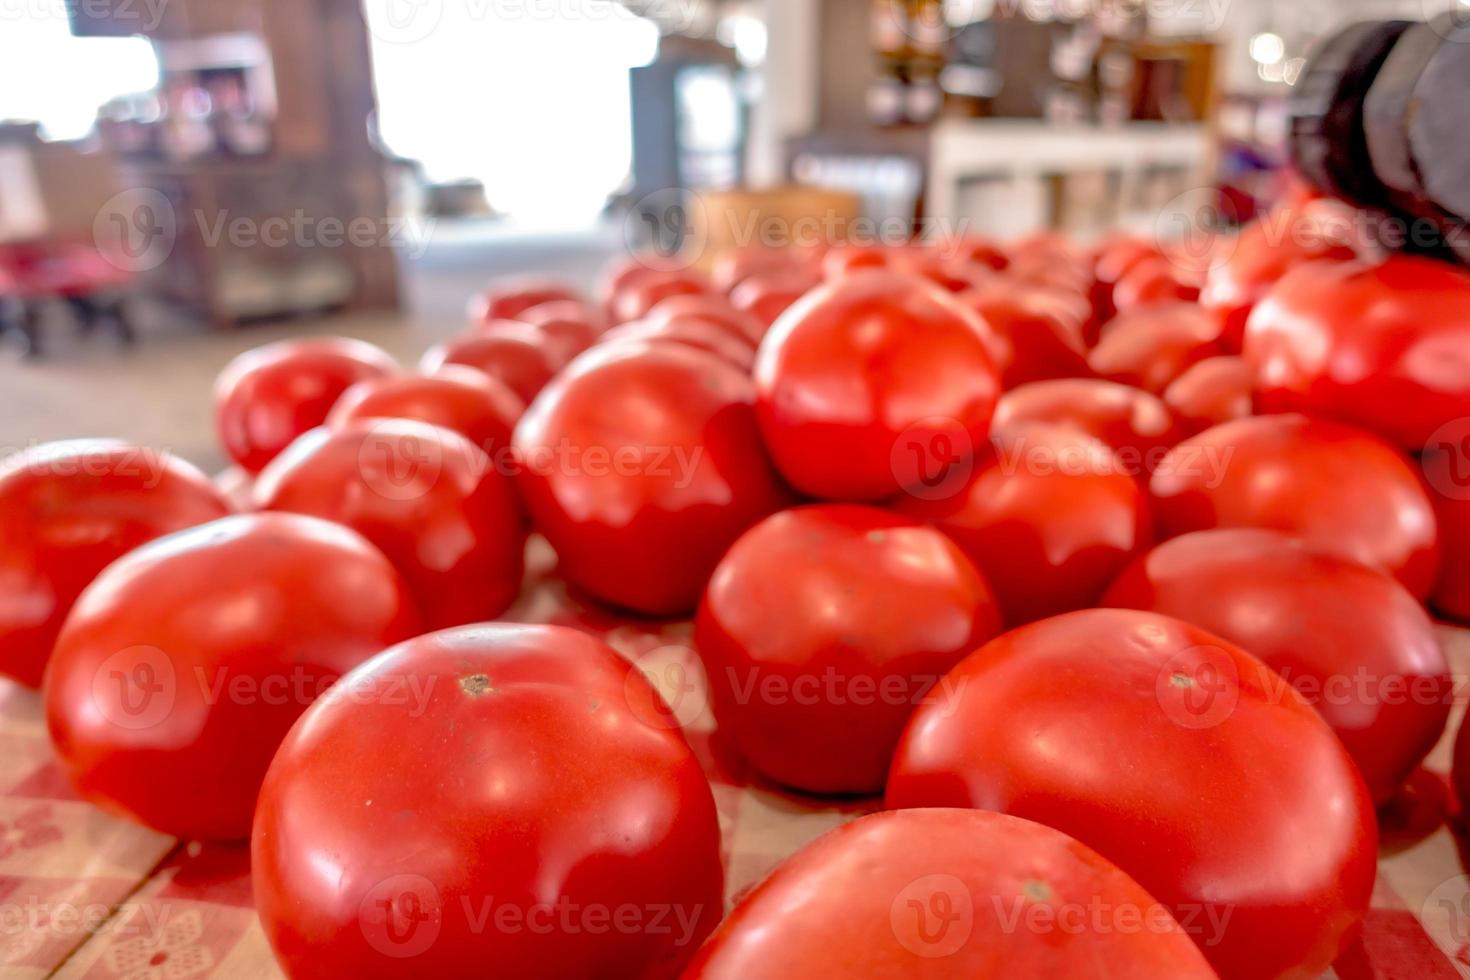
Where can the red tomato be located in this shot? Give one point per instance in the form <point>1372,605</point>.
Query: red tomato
<point>940,894</point>
<point>508,298</point>
<point>568,327</point>
<point>689,331</point>
<point>1051,515</point>
<point>952,274</point>
<point>1149,346</point>
<point>1043,343</point>
<point>975,250</point>
<point>1343,491</point>
<point>867,379</point>
<point>1264,251</point>
<point>823,628</point>
<point>734,266</point>
<point>67,511</point>
<point>1448,471</point>
<point>1386,347</point>
<point>638,299</point>
<point>506,800</point>
<point>182,667</point>
<point>715,310</point>
<point>1136,424</point>
<point>844,260</point>
<point>515,358</point>
<point>768,295</point>
<point>641,465</point>
<point>1153,281</point>
<point>1352,641</point>
<point>457,398</point>
<point>432,502</point>
<point>268,396</point>
<point>1158,745</point>
<point>1213,391</point>
<point>1115,261</point>
<point>1050,272</point>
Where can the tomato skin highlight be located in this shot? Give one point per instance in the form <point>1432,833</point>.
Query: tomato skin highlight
<point>1175,755</point>
<point>948,893</point>
<point>1352,640</point>
<point>822,627</point>
<point>1342,490</point>
<point>182,667</point>
<point>526,779</point>
<point>67,511</point>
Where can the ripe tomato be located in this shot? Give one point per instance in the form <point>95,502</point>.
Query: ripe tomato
<point>458,398</point>
<point>1263,252</point>
<point>687,331</point>
<point>625,273</point>
<point>821,630</point>
<point>1137,425</point>
<point>638,299</point>
<point>948,893</point>
<point>715,310</point>
<point>976,251</point>
<point>1213,391</point>
<point>515,358</point>
<point>866,370</point>
<point>268,396</point>
<point>1043,342</point>
<point>767,295</point>
<point>67,511</point>
<point>1161,747</point>
<point>1351,640</point>
<point>641,465</point>
<point>567,327</point>
<point>511,800</point>
<point>843,260</point>
<point>1449,488</point>
<point>1386,347</point>
<point>1150,346</point>
<point>1153,281</point>
<point>508,298</point>
<point>735,265</point>
<point>1050,515</point>
<point>182,667</point>
<point>432,502</point>
<point>1343,491</point>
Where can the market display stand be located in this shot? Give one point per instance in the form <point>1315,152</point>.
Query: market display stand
<point>83,894</point>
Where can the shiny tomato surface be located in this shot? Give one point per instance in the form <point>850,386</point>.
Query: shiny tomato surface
<point>508,298</point>
<point>713,309</point>
<point>769,294</point>
<point>941,893</point>
<point>1385,346</point>
<point>530,811</point>
<point>67,511</point>
<point>1343,491</point>
<point>1051,515</point>
<point>432,502</point>
<point>687,330</point>
<point>639,298</point>
<point>641,464</point>
<point>869,382</point>
<point>1137,425</point>
<point>1351,640</point>
<point>1166,750</point>
<point>510,353</point>
<point>1150,346</point>
<point>182,667</point>
<point>1043,342</point>
<point>821,630</point>
<point>1153,281</point>
<point>458,398</point>
<point>268,396</point>
<point>1213,391</point>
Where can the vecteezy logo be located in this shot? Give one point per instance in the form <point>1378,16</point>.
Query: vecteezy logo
<point>934,458</point>
<point>135,688</point>
<point>1446,912</point>
<point>1192,230</point>
<point>398,464</point>
<point>1446,459</point>
<point>669,227</point>
<point>666,689</point>
<point>403,21</point>
<point>933,916</point>
<point>401,916</point>
<point>1199,687</point>
<point>136,229</point>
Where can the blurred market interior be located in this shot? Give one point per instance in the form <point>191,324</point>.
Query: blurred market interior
<point>226,172</point>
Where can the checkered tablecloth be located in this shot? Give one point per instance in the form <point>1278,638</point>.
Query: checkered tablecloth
<point>86,895</point>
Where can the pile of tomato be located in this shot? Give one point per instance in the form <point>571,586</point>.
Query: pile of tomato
<point>1107,568</point>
